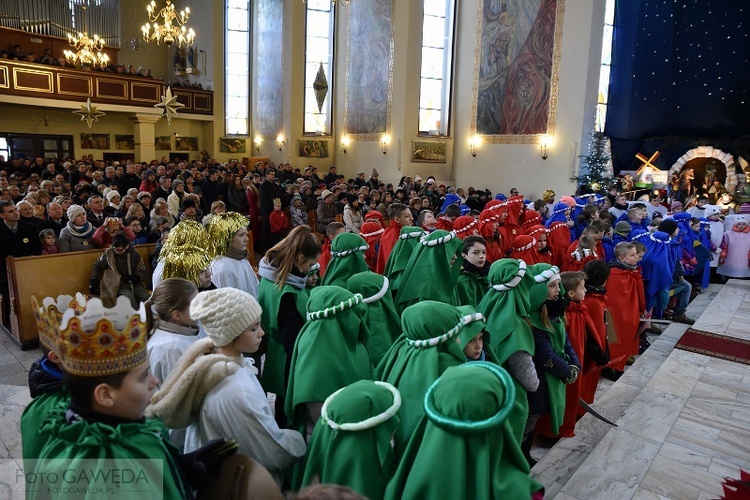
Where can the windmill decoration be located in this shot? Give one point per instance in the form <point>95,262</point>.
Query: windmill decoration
<point>89,113</point>
<point>169,104</point>
<point>644,176</point>
<point>320,86</point>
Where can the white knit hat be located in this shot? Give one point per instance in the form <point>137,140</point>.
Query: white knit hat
<point>74,210</point>
<point>225,313</point>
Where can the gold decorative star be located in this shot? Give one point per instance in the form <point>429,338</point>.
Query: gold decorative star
<point>89,113</point>
<point>169,104</point>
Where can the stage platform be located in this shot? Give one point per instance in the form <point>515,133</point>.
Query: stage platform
<point>683,418</point>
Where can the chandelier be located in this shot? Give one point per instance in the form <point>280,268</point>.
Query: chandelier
<point>88,50</point>
<point>173,27</point>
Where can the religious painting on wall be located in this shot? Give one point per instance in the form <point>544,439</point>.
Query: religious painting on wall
<point>124,142</point>
<point>186,143</point>
<point>232,145</point>
<point>94,141</point>
<point>313,148</point>
<point>163,142</point>
<point>517,60</point>
<point>269,73</point>
<point>369,69</point>
<point>428,152</point>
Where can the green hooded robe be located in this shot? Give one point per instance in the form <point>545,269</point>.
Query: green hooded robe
<point>408,240</point>
<point>32,437</point>
<point>432,270</point>
<point>423,352</point>
<point>380,313</point>
<point>347,259</point>
<point>351,443</point>
<point>506,309</point>
<point>465,423</point>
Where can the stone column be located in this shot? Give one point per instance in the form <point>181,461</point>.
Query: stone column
<point>144,131</point>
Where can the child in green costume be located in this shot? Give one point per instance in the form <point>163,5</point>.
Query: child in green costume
<point>330,353</point>
<point>407,241</point>
<point>465,418</point>
<point>347,259</point>
<point>425,349</point>
<point>351,443</point>
<point>283,295</point>
<point>107,374</point>
<point>380,313</point>
<point>472,335</point>
<point>506,309</point>
<point>554,357</point>
<point>432,270</point>
<point>471,285</point>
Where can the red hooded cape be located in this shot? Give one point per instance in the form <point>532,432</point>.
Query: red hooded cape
<point>387,242</point>
<point>596,304</point>
<point>626,301</point>
<point>559,241</point>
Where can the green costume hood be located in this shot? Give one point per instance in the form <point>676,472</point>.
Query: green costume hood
<point>380,314</point>
<point>429,274</point>
<point>420,355</point>
<point>347,259</point>
<point>351,443</point>
<point>466,419</point>
<point>330,351</point>
<point>474,323</point>
<point>407,241</point>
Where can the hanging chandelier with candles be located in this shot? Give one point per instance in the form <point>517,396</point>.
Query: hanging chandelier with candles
<point>88,49</point>
<point>173,27</point>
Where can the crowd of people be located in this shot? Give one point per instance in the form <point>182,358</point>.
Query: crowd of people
<point>430,322</point>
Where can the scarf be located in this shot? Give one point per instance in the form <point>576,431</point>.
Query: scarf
<point>236,254</point>
<point>296,278</point>
<point>471,268</point>
<point>618,264</point>
<point>175,328</point>
<point>85,231</point>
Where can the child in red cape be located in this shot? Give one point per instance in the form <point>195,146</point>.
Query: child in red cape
<point>585,252</point>
<point>488,224</point>
<point>597,272</point>
<point>332,230</point>
<point>400,216</point>
<point>627,303</point>
<point>523,249</point>
<point>558,240</point>
<point>372,232</point>
<point>466,225</point>
<point>542,251</point>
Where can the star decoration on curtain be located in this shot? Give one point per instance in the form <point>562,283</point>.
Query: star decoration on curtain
<point>89,113</point>
<point>169,104</point>
<point>320,86</point>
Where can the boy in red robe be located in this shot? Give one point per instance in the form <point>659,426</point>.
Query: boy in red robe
<point>597,272</point>
<point>626,301</point>
<point>372,232</point>
<point>400,216</point>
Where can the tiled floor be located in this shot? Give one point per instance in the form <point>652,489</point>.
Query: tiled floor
<point>683,419</point>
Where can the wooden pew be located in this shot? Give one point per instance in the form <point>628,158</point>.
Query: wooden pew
<point>50,276</point>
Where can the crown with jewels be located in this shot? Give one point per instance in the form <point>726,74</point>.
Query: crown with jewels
<point>100,341</point>
<point>49,315</point>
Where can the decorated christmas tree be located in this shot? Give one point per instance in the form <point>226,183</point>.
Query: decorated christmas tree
<point>596,166</point>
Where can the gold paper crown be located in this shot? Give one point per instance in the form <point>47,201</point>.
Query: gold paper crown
<point>49,315</point>
<point>102,341</point>
<point>187,232</point>
<point>222,228</point>
<point>186,262</point>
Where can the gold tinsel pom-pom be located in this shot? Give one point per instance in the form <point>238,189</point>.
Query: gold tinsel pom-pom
<point>222,229</point>
<point>187,233</point>
<point>187,262</point>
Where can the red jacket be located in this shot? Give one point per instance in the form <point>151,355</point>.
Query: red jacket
<point>279,221</point>
<point>626,301</point>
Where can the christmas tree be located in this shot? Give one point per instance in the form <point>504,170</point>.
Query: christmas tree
<point>596,166</point>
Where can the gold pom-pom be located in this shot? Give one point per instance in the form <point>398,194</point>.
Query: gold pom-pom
<point>222,229</point>
<point>187,233</point>
<point>187,262</point>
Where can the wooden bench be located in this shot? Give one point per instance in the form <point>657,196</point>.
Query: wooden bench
<point>50,276</point>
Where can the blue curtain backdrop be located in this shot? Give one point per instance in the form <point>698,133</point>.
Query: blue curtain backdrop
<point>680,72</point>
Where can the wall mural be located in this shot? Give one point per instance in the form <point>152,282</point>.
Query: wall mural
<point>369,73</point>
<point>269,110</point>
<point>517,69</point>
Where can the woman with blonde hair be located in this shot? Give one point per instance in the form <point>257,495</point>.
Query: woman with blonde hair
<point>161,209</point>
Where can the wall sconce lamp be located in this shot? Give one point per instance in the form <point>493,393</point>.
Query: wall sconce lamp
<point>258,140</point>
<point>474,142</point>
<point>280,141</point>
<point>544,142</point>
<point>384,140</point>
<point>345,141</point>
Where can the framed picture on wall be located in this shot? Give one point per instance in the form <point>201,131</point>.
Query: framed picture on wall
<point>125,142</point>
<point>232,145</point>
<point>186,143</point>
<point>94,141</point>
<point>163,142</point>
<point>313,148</point>
<point>428,152</point>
